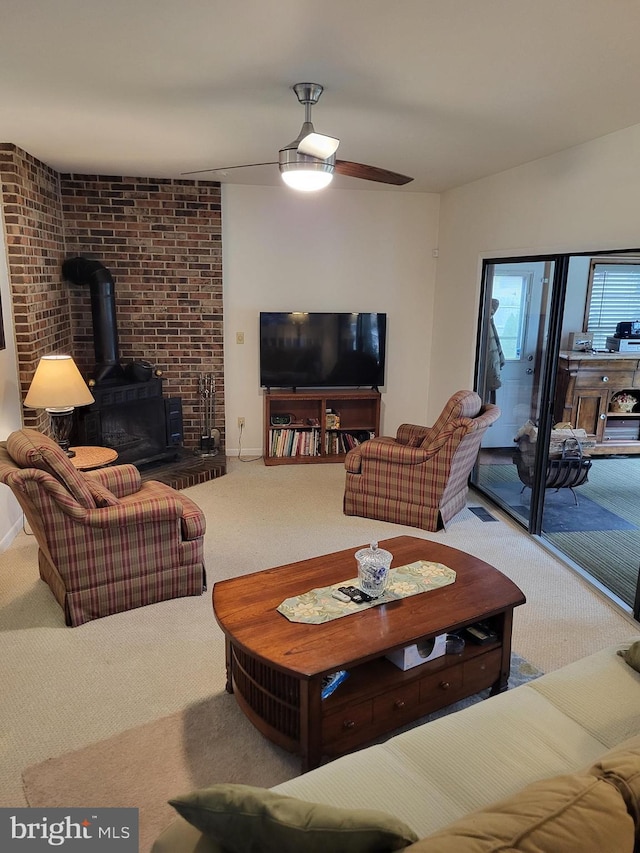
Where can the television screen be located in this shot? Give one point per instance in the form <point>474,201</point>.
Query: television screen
<point>302,350</point>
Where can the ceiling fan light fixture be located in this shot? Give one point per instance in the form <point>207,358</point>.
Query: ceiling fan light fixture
<point>306,174</point>
<point>304,179</point>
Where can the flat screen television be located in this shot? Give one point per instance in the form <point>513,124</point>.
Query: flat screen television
<point>321,350</point>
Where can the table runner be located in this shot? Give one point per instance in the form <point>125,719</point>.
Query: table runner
<point>318,606</point>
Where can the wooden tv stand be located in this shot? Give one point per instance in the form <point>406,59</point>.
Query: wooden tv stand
<point>309,437</point>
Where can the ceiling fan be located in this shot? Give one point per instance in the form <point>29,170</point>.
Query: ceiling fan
<point>309,162</point>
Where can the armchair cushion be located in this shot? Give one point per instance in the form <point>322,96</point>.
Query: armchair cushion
<point>101,495</point>
<point>31,449</point>
<point>412,434</point>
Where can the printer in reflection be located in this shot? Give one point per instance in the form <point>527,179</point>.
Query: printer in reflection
<point>626,338</point>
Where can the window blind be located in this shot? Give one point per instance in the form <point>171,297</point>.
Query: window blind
<point>614,296</point>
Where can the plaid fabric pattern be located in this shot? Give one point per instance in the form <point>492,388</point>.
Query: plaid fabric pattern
<point>101,495</point>
<point>422,486</point>
<point>31,449</point>
<point>462,404</point>
<point>122,480</point>
<point>133,549</point>
<point>412,434</point>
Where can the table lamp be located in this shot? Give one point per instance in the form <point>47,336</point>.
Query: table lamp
<point>58,387</point>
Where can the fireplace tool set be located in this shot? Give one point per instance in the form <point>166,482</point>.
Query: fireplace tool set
<point>209,436</point>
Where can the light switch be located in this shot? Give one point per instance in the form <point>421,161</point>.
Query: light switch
<point>239,337</point>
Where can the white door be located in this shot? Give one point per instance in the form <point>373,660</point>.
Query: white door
<point>520,290</point>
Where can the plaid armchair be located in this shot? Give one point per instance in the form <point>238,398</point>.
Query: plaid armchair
<point>420,477</point>
<point>107,542</point>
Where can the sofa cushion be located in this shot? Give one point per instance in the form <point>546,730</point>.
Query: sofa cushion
<point>571,814</point>
<point>600,693</point>
<point>245,819</point>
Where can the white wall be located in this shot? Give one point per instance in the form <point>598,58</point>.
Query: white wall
<point>10,403</point>
<point>341,250</point>
<point>583,199</point>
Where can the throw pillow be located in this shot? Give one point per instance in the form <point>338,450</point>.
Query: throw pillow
<point>621,767</point>
<point>632,655</point>
<point>245,819</point>
<point>572,814</point>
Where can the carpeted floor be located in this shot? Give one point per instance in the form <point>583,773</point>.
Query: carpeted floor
<point>209,742</point>
<point>64,689</point>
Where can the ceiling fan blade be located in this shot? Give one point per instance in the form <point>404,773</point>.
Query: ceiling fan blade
<point>228,168</point>
<point>370,173</point>
<point>318,145</point>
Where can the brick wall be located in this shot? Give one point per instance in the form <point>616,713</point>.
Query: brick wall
<point>30,193</point>
<point>161,240</point>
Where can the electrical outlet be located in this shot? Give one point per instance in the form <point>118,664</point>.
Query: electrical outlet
<point>240,422</point>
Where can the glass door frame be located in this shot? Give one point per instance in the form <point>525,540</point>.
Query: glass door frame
<point>560,287</point>
<point>547,380</point>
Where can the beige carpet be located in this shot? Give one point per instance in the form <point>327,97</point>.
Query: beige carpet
<point>145,766</point>
<point>64,689</point>
<point>207,743</point>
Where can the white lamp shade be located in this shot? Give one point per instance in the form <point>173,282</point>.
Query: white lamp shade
<point>57,384</point>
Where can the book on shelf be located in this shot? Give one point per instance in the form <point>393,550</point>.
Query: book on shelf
<point>291,441</point>
<point>343,442</point>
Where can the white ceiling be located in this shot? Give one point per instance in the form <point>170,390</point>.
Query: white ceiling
<point>447,91</point>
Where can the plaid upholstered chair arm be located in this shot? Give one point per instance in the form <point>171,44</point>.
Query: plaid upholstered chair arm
<point>150,511</point>
<point>385,451</point>
<point>122,480</point>
<point>353,461</point>
<point>412,434</point>
<point>30,481</point>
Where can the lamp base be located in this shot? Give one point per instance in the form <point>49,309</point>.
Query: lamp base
<point>61,421</point>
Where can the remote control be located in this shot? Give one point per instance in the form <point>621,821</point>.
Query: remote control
<point>340,596</point>
<point>481,633</point>
<point>356,595</point>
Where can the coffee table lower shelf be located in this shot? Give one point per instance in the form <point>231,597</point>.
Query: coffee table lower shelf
<point>377,698</point>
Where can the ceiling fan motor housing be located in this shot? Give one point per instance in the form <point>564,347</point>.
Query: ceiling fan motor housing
<point>290,159</point>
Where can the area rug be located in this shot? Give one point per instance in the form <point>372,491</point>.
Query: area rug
<point>561,514</point>
<point>207,743</point>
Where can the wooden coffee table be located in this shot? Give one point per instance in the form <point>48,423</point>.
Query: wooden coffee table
<point>275,667</point>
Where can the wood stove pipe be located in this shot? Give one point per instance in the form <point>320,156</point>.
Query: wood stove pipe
<point>83,271</point>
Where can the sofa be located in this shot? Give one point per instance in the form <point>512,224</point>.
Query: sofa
<point>551,766</point>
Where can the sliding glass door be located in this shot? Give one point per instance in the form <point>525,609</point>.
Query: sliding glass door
<point>512,355</point>
<point>558,344</point>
